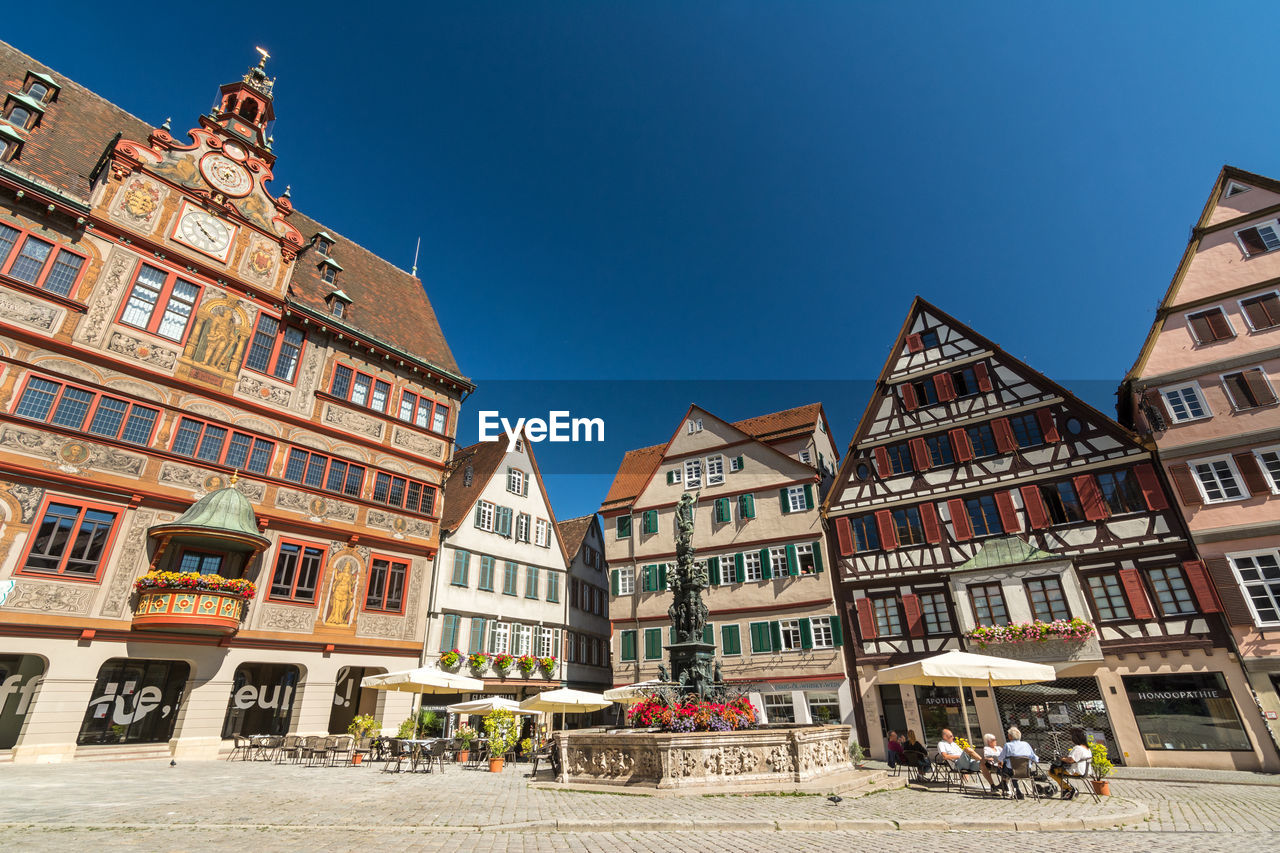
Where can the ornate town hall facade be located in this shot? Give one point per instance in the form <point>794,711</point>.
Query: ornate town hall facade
<point>196,378</point>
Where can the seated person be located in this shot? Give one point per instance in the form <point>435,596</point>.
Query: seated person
<point>894,750</point>
<point>1014,747</point>
<point>990,762</point>
<point>914,754</point>
<point>1072,763</point>
<point>966,761</point>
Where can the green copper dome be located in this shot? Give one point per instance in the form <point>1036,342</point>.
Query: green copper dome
<point>1005,551</point>
<point>225,516</point>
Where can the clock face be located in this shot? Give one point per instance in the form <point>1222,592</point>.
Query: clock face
<point>226,175</point>
<point>233,150</point>
<point>204,232</point>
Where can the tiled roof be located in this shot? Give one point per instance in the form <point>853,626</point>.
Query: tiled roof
<point>638,465</point>
<point>388,304</point>
<point>785,424</point>
<point>573,531</point>
<point>636,468</point>
<point>459,494</point>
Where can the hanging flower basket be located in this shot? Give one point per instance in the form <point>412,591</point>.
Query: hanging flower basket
<point>450,660</point>
<point>502,663</point>
<point>547,665</point>
<point>526,664</point>
<point>1074,630</point>
<point>478,660</point>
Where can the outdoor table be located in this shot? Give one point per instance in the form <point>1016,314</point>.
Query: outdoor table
<point>417,746</point>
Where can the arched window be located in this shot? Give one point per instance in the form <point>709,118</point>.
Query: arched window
<point>19,116</point>
<point>38,91</point>
<point>249,109</point>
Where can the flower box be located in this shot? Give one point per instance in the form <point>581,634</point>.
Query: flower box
<point>186,611</point>
<point>1071,630</point>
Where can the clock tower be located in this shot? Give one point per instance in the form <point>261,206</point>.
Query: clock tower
<point>244,109</point>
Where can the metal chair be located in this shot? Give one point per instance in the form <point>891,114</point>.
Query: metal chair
<point>1084,777</point>
<point>1023,768</point>
<point>945,771</point>
<point>339,748</point>
<point>396,753</point>
<point>314,749</point>
<point>242,745</point>
<point>363,746</point>
<point>291,748</point>
<point>266,747</point>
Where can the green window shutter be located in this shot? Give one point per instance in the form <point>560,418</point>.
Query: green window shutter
<point>662,578</point>
<point>817,557</point>
<point>493,636</point>
<point>837,636</point>
<point>808,495</point>
<point>739,568</point>
<point>624,527</point>
<point>730,641</point>
<point>651,521</point>
<point>793,566</point>
<point>775,635</point>
<point>738,463</point>
<point>723,512</point>
<point>460,559</point>
<point>806,634</point>
<point>671,478</point>
<point>766,565</point>
<point>477,634</point>
<point>555,643</point>
<point>786,504</point>
<point>477,515</point>
<point>628,645</point>
<point>713,570</point>
<point>646,585</point>
<point>759,637</point>
<point>613,582</point>
<point>449,636</point>
<point>652,643</point>
<point>747,506</point>
<point>709,634</point>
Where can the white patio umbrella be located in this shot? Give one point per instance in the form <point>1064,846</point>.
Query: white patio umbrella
<point>566,701</point>
<point>629,694</point>
<point>965,669</point>
<point>487,704</point>
<point>424,679</point>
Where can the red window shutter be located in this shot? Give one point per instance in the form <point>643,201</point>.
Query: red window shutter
<point>920,454</point>
<point>961,529</point>
<point>1008,514</point>
<point>929,521</point>
<point>1005,440</point>
<point>961,445</point>
<point>882,462</point>
<point>1198,580</point>
<point>1095,508</point>
<point>845,534</point>
<point>1185,482</point>
<point>982,375</point>
<point>908,396</point>
<point>1138,604</point>
<point>945,387</point>
<point>1037,515</point>
<point>1152,491</point>
<point>888,535</point>
<point>915,343</point>
<point>914,615</point>
<point>1252,473</point>
<point>1047,425</point>
<point>1234,607</point>
<point>866,619</point>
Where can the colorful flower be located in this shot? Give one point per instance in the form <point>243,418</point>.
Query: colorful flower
<point>195,582</point>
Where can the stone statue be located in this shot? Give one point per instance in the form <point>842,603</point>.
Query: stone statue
<point>692,663</point>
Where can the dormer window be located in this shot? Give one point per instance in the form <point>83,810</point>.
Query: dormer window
<point>17,116</point>
<point>10,142</point>
<point>323,243</point>
<point>40,88</point>
<point>322,246</point>
<point>329,269</point>
<point>338,302</point>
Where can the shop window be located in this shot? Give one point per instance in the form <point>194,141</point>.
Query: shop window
<point>297,572</point>
<point>20,677</point>
<point>134,701</point>
<point>940,708</point>
<point>387,581</point>
<point>824,708</point>
<point>71,539</point>
<point>1192,711</point>
<point>261,700</point>
<point>779,707</point>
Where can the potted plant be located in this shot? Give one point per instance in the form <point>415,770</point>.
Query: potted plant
<point>477,660</point>
<point>466,736</point>
<point>500,727</point>
<point>547,664</point>
<point>450,660</point>
<point>526,748</point>
<point>362,726</point>
<point>1102,768</point>
<point>526,664</point>
<point>502,663</point>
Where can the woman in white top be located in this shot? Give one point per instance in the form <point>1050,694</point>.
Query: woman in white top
<point>1075,762</point>
<point>990,756</point>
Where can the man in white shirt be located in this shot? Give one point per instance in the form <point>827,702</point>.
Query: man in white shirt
<point>966,761</point>
<point>1015,747</point>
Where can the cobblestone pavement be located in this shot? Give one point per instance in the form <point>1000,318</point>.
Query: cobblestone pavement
<point>214,806</point>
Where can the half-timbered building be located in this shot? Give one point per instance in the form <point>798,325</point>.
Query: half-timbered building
<point>976,495</point>
<point>196,380</point>
<point>757,529</point>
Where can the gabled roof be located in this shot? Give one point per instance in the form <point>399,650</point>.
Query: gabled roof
<point>919,305</point>
<point>573,531</point>
<point>1004,551</point>
<point>390,305</point>
<point>638,465</point>
<point>460,496</point>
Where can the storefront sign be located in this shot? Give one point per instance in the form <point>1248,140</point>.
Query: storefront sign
<point>20,676</point>
<point>261,699</point>
<point>134,701</point>
<point>1186,711</point>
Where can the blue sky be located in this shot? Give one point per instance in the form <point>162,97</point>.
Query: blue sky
<point>729,191</point>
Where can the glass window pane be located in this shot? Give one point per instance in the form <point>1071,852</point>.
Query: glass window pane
<point>138,426</point>
<point>108,417</point>
<point>72,408</point>
<point>31,259</point>
<point>37,399</point>
<point>63,273</point>
<point>211,444</point>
